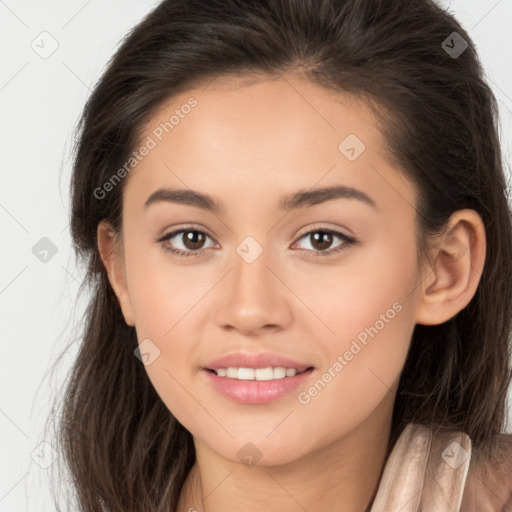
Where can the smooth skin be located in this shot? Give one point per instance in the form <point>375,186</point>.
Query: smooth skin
<point>247,144</point>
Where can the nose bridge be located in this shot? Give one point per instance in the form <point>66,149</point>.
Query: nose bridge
<point>254,296</point>
<point>251,276</point>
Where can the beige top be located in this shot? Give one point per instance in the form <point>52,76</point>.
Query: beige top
<point>424,473</point>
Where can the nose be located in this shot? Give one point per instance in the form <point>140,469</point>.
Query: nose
<point>253,298</point>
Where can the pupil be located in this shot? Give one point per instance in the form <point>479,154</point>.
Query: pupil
<point>192,237</point>
<point>319,235</point>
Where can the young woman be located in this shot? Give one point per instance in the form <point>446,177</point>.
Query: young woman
<point>299,246</point>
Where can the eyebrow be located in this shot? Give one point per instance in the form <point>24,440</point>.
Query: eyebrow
<point>300,199</point>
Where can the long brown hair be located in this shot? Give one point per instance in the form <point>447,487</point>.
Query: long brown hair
<point>123,448</point>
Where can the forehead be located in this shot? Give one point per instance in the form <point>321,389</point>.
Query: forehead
<point>264,105</point>
<point>253,135</point>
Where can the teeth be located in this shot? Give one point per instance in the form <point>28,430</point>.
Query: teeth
<point>279,372</point>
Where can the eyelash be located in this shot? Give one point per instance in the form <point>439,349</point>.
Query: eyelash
<point>348,242</point>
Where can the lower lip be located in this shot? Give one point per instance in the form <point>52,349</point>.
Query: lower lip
<point>256,391</point>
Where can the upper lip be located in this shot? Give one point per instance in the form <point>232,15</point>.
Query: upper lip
<point>257,360</point>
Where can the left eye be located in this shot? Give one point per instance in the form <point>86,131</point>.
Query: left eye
<point>324,237</point>
<point>193,241</point>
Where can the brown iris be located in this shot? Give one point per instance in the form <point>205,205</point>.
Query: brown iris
<point>193,240</point>
<point>322,239</point>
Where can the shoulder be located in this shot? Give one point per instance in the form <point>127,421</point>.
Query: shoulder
<point>488,485</point>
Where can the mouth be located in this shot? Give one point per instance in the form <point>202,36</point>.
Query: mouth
<point>258,374</point>
<point>256,378</point>
<point>256,386</point>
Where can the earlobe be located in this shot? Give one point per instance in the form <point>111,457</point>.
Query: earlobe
<point>458,258</point>
<point>111,255</point>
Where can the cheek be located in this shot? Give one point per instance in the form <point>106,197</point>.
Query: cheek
<point>161,292</point>
<point>163,315</point>
<point>365,290</point>
<point>164,299</point>
<point>363,365</point>
<point>368,307</point>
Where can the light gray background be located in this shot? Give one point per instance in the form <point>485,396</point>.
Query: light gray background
<point>40,101</point>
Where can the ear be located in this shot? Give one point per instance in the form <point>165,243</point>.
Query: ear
<point>458,258</point>
<point>111,253</point>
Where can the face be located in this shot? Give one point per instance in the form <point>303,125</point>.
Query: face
<point>326,280</point>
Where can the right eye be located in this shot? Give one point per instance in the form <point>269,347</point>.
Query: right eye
<point>191,239</point>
